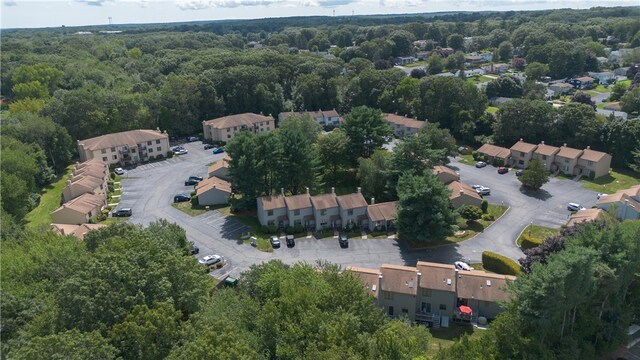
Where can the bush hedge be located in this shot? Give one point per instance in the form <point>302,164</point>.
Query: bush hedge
<point>500,264</point>
<point>528,241</point>
<point>484,206</point>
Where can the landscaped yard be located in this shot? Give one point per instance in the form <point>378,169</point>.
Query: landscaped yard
<point>492,109</point>
<point>40,217</point>
<point>416,64</point>
<point>467,159</point>
<point>538,231</point>
<point>190,209</point>
<point>616,180</point>
<point>445,337</point>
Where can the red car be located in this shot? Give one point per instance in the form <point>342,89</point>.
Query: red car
<point>503,170</point>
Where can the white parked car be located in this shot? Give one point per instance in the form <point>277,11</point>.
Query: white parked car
<point>210,260</point>
<point>461,265</point>
<point>476,186</point>
<point>600,195</point>
<point>119,171</point>
<point>574,207</point>
<point>483,190</point>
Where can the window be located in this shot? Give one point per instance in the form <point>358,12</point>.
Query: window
<point>229,136</point>
<point>390,311</point>
<point>104,151</point>
<point>297,222</point>
<point>270,213</point>
<point>566,161</point>
<point>425,307</point>
<point>405,311</point>
<point>150,150</point>
<point>521,154</point>
<point>271,223</point>
<point>133,149</point>
<point>387,295</point>
<point>159,149</point>
<point>113,149</point>
<point>228,129</point>
<point>267,128</point>
<point>590,163</point>
<point>104,158</point>
<point>115,157</point>
<point>149,142</point>
<point>323,212</point>
<point>235,128</point>
<point>443,307</point>
<point>544,157</point>
<point>296,212</point>
<point>350,212</point>
<point>157,141</point>
<point>426,292</point>
<point>521,162</point>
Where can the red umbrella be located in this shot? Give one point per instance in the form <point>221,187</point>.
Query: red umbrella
<point>465,309</point>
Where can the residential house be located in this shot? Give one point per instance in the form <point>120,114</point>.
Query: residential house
<point>593,163</point>
<point>446,73</point>
<point>220,169</point>
<point>582,82</point>
<point>546,154</point>
<point>492,152</point>
<point>382,216</point>
<point>463,194</point>
<point>486,56</point>
<point>225,128</point>
<point>398,290</point>
<point>324,118</point>
<point>404,60</point>
<point>560,88</point>
<point>444,52</point>
<point>445,174</point>
<point>472,72</point>
<point>403,126</point>
<point>473,59</point>
<point>78,231</point>
<point>89,176</point>
<point>602,59</point>
<point>326,211</point>
<point>624,204</point>
<point>586,215</point>
<point>437,293</point>
<point>213,191</point>
<point>127,147</point>
<point>566,160</point>
<point>80,210</point>
<point>482,292</point>
<point>420,44</point>
<point>604,77</point>
<point>353,210</point>
<point>521,154</point>
<point>621,71</point>
<point>300,211</point>
<point>499,68</point>
<point>369,277</point>
<point>423,55</point>
<point>272,210</point>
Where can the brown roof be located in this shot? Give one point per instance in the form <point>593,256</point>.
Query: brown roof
<point>592,155</point>
<point>296,202</point>
<point>586,78</point>
<point>483,286</point>
<point>439,169</point>
<point>494,151</point>
<point>523,146</point>
<point>457,186</point>
<point>548,150</point>
<point>404,121</point>
<point>568,152</point>
<point>632,191</point>
<point>351,201</point>
<point>562,85</point>
<point>220,164</point>
<point>272,202</point>
<point>96,171</point>
<point>76,230</point>
<point>331,113</point>
<point>584,215</point>
<point>83,203</point>
<point>130,137</point>
<point>87,181</point>
<point>437,276</point>
<point>370,278</point>
<point>620,196</point>
<point>213,183</point>
<point>383,212</point>
<point>399,279</point>
<point>95,162</point>
<point>325,201</point>
<point>246,119</point>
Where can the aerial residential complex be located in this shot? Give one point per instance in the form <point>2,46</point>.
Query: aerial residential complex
<point>127,147</point>
<point>226,127</point>
<point>403,126</point>
<point>324,118</point>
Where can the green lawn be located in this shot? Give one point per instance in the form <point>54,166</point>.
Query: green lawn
<point>538,231</point>
<point>616,180</point>
<point>190,209</point>
<point>492,109</point>
<point>467,159</point>
<point>445,337</point>
<point>416,64</point>
<point>40,217</point>
<point>626,83</point>
<point>112,220</point>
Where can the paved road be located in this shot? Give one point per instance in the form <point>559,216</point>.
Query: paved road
<point>149,190</point>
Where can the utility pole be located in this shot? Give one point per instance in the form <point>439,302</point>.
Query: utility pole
<point>109,20</point>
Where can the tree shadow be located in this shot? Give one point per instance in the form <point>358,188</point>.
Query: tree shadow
<point>540,194</point>
<point>231,231</point>
<point>445,254</point>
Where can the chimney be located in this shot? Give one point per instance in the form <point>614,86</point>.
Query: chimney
<point>359,190</point>
<point>379,290</point>
<point>333,190</point>
<point>158,129</point>
<point>461,192</point>
<point>542,142</point>
<point>282,191</point>
<point>261,113</point>
<point>68,182</point>
<point>564,145</point>
<point>588,147</point>
<point>373,201</point>
<point>520,139</point>
<point>307,188</point>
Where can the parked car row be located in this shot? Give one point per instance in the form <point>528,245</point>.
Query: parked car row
<point>193,180</point>
<point>275,241</point>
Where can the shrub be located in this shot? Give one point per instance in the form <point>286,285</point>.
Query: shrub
<point>113,175</point>
<point>289,230</point>
<point>169,154</point>
<point>484,206</point>
<point>474,155</point>
<point>529,242</point>
<point>462,225</point>
<point>470,212</point>
<point>194,200</point>
<point>159,157</point>
<point>500,264</point>
<point>488,217</point>
<point>105,212</point>
<point>297,229</point>
<point>499,162</point>
<point>110,188</point>
<point>273,229</point>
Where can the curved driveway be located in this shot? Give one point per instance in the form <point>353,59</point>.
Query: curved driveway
<point>149,190</point>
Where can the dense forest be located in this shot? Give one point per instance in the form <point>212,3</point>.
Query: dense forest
<point>135,293</point>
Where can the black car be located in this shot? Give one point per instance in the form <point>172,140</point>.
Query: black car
<point>343,240</point>
<point>181,198</point>
<point>208,146</point>
<point>194,249</point>
<point>199,178</point>
<point>191,182</point>
<point>291,242</point>
<point>126,212</point>
<point>519,172</point>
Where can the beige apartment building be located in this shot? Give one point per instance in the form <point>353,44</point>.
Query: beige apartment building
<point>491,152</point>
<point>403,126</point>
<point>127,147</point>
<point>78,231</point>
<point>566,160</point>
<point>463,194</point>
<point>213,191</point>
<point>220,169</point>
<point>445,174</point>
<point>89,176</point>
<point>593,163</point>
<point>521,153</point>
<point>80,210</point>
<point>546,154</point>
<point>226,127</point>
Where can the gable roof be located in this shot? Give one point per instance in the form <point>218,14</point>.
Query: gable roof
<point>246,119</point>
<point>437,276</point>
<point>88,181</point>
<point>78,231</point>
<point>325,201</point>
<point>620,196</point>
<point>561,85</point>
<point>213,183</point>
<point>83,203</point>
<point>494,151</point>
<point>547,150</point>
<point>483,286</point>
<point>592,155</point>
<point>584,216</point>
<point>295,202</point>
<point>459,188</point>
<point>351,201</point>
<point>383,212</point>
<point>523,146</point>
<point>220,164</point>
<point>370,278</point>
<point>439,169</point>
<point>399,279</point>
<point>404,121</point>
<point>585,78</point>
<point>130,137</point>
<point>569,153</point>
<point>272,202</point>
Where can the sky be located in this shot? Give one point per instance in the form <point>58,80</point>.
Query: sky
<point>55,13</point>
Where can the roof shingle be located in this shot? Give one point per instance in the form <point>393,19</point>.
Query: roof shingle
<point>351,201</point>
<point>131,137</point>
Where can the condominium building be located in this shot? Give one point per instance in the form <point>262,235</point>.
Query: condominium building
<point>403,126</point>
<point>127,147</point>
<point>322,117</point>
<point>89,176</point>
<point>226,127</point>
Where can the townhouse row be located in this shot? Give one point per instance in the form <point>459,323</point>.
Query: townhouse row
<point>125,148</point>
<point>433,293</point>
<point>569,161</point>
